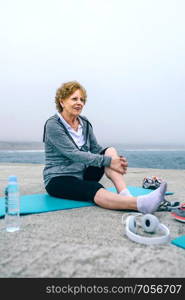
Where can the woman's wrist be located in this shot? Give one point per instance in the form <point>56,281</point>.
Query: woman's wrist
<point>107,160</point>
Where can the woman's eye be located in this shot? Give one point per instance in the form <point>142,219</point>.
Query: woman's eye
<point>76,99</point>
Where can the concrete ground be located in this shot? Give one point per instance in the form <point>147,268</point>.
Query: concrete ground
<point>88,241</point>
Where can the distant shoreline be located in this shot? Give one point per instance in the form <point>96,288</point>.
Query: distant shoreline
<point>36,146</point>
<point>42,150</point>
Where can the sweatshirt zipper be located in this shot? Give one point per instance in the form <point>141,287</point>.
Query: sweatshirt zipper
<point>66,131</point>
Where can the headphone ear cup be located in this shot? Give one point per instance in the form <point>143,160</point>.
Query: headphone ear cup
<point>132,224</point>
<point>149,223</point>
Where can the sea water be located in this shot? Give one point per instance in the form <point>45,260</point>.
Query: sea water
<point>137,156</point>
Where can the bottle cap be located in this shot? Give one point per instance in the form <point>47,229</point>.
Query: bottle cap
<point>12,178</point>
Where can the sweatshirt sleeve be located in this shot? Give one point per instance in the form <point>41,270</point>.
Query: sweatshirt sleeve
<point>58,138</point>
<point>94,146</point>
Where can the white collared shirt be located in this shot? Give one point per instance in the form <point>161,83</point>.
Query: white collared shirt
<point>77,136</point>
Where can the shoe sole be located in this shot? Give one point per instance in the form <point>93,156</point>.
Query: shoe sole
<point>178,218</point>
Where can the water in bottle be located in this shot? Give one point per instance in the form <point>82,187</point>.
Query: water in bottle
<point>12,205</point>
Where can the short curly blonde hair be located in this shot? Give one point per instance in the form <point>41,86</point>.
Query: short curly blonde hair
<point>66,90</point>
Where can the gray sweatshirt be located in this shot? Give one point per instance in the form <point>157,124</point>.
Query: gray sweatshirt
<point>63,157</point>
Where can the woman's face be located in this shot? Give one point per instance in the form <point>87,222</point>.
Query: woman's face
<point>74,104</point>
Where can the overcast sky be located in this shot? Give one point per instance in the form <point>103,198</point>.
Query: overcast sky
<point>128,54</point>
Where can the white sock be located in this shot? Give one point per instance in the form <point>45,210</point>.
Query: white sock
<point>149,203</point>
<point>125,192</point>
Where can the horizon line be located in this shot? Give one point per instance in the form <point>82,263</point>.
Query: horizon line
<point>115,142</point>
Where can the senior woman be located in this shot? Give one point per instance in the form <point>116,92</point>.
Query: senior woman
<point>75,162</point>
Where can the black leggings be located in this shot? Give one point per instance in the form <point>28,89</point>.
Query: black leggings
<point>70,187</point>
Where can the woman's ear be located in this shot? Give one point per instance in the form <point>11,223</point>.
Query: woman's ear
<point>61,103</point>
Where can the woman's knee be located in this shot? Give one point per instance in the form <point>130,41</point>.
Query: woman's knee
<point>111,151</point>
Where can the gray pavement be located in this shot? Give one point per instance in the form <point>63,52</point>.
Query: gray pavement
<point>88,241</point>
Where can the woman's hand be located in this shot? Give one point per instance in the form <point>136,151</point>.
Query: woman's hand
<point>119,164</point>
<point>124,163</point>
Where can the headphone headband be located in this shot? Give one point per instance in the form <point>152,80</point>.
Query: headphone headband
<point>148,240</point>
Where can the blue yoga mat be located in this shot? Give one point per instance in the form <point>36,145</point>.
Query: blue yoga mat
<point>180,241</point>
<point>38,203</point>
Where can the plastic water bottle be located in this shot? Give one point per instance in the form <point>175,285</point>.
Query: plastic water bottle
<point>12,205</point>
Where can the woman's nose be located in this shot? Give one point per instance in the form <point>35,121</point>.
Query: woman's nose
<point>79,101</point>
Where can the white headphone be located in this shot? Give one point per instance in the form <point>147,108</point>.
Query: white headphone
<point>150,224</point>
